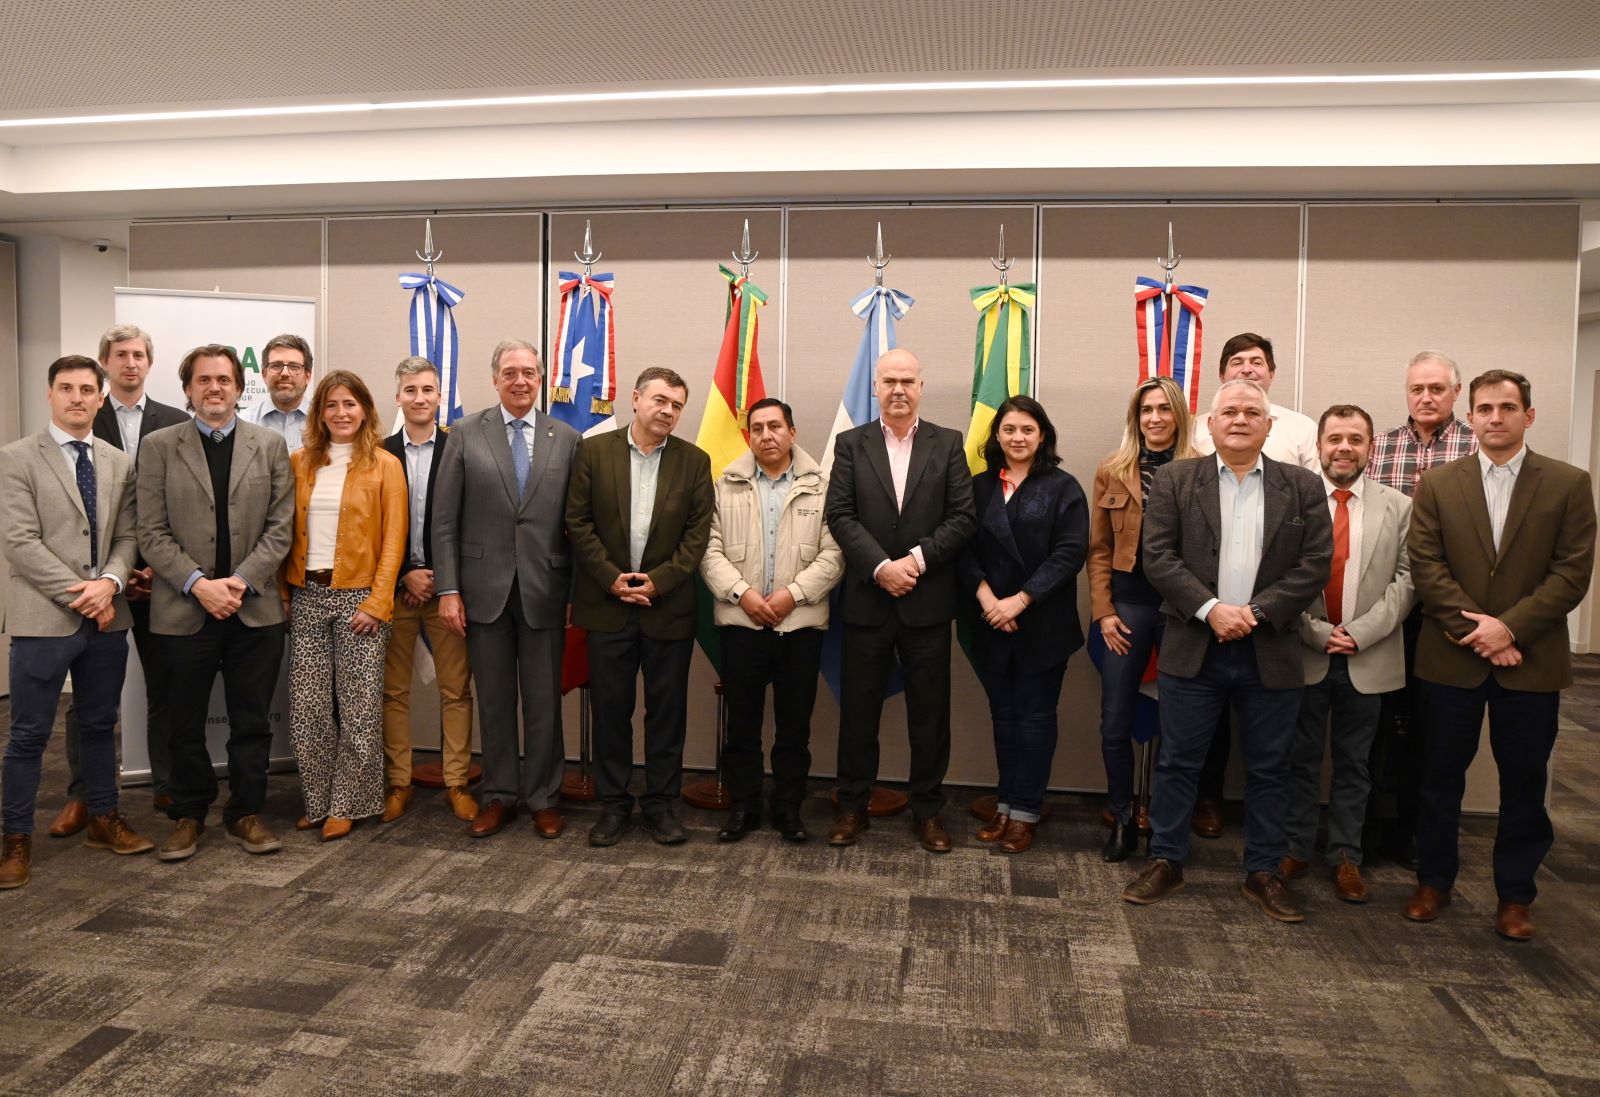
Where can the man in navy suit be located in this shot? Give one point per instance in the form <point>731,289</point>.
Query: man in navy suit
<point>900,505</point>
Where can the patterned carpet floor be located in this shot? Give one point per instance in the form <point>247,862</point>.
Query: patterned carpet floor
<point>410,958</point>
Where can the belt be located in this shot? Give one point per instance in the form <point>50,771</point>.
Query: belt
<point>323,578</point>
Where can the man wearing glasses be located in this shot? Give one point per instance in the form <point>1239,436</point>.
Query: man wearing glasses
<point>286,369</point>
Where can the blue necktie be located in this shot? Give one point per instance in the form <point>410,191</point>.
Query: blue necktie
<point>85,470</point>
<point>519,457</point>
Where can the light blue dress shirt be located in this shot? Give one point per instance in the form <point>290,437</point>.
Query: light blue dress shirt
<point>643,475</point>
<point>1243,507</point>
<point>771,494</point>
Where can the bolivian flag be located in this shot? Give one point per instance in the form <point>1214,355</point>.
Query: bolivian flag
<point>1003,359</point>
<point>725,428</point>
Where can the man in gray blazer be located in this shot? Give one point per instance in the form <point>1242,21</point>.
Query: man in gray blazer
<point>1238,545</point>
<point>1353,650</point>
<point>127,416</point>
<point>69,541</point>
<point>503,570</point>
<point>216,515</point>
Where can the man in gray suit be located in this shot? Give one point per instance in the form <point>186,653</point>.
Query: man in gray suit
<point>1353,650</point>
<point>69,541</point>
<point>1238,545</point>
<point>503,570</point>
<point>216,514</point>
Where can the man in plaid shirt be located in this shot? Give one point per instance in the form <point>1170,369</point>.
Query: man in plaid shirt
<point>1430,437</point>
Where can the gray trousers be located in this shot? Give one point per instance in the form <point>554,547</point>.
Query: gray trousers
<point>508,657</point>
<point>1355,722</point>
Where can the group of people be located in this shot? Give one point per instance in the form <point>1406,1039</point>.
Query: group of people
<point>1270,563</point>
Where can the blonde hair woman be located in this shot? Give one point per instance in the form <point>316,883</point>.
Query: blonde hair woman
<point>338,582</point>
<point>1122,602</point>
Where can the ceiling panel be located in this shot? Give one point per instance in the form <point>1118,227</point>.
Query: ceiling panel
<point>62,55</point>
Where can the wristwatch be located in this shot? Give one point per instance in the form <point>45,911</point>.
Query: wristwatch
<point>1261,618</point>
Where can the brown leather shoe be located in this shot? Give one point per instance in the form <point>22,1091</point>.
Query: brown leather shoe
<point>1207,821</point>
<point>1347,882</point>
<point>334,828</point>
<point>182,843</point>
<point>1426,903</point>
<point>1159,879</point>
<point>1266,890</point>
<point>305,822</point>
<point>16,856</point>
<point>395,802</point>
<point>548,823</point>
<point>489,821</point>
<point>73,818</point>
<point>162,801</point>
<point>1019,836</point>
<point>1290,867</point>
<point>462,802</point>
<point>1512,922</point>
<point>932,835</point>
<point>994,829</point>
<point>110,832</point>
<point>251,833</point>
<point>847,828</point>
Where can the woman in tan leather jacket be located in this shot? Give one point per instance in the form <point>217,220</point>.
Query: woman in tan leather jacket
<point>338,583</point>
<point>1125,607</point>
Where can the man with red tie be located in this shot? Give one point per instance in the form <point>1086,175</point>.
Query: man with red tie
<point>1352,649</point>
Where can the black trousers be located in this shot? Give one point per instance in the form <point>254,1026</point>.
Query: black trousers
<point>869,653</point>
<point>248,660</point>
<point>1522,733</point>
<point>615,660</point>
<point>790,661</point>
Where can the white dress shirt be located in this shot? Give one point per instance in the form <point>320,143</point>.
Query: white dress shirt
<point>1499,481</point>
<point>129,418</point>
<point>899,468</point>
<point>1243,509</point>
<point>1352,566</point>
<point>644,473</point>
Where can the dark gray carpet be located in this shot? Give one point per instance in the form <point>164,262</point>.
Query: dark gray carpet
<point>412,959</point>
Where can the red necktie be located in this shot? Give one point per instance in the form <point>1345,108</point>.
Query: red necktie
<point>1333,593</point>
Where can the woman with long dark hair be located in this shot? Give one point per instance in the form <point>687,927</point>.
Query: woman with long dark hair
<point>350,528</point>
<point>1022,567</point>
<point>1122,602</point>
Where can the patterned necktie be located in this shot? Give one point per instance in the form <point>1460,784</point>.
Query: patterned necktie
<point>85,472</point>
<point>519,457</point>
<point>217,436</point>
<point>1333,593</point>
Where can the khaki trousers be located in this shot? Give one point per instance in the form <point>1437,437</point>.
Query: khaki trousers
<point>455,693</point>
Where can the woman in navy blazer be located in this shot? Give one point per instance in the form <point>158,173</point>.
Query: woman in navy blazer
<point>1033,534</point>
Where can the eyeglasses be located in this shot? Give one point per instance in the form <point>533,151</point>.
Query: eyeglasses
<point>284,367</point>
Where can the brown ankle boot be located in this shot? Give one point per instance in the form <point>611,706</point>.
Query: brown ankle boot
<point>14,860</point>
<point>111,832</point>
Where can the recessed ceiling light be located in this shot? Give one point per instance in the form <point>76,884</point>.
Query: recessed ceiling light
<point>807,90</point>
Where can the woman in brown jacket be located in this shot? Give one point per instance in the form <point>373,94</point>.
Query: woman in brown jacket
<point>338,583</point>
<point>1122,602</point>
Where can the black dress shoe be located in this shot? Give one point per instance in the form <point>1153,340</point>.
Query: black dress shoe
<point>609,830</point>
<point>1403,850</point>
<point>665,828</point>
<point>740,823</point>
<point>788,826</point>
<point>1121,842</point>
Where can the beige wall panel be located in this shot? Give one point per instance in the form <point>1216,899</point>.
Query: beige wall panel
<point>1492,285</point>
<point>670,304</point>
<point>495,259</point>
<point>9,424</point>
<point>1247,256</point>
<point>939,254</point>
<point>275,257</point>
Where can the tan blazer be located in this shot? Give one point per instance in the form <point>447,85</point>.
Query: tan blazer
<point>373,529</point>
<point>178,525</point>
<point>1538,576</point>
<point>47,535</point>
<point>1116,516</point>
<point>1383,598</point>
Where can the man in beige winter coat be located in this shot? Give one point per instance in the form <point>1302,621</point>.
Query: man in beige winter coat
<point>770,565</point>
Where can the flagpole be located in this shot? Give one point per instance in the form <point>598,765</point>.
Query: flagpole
<point>1169,329</point>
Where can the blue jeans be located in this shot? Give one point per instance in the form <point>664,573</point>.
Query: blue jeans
<point>1022,706</point>
<point>39,665</point>
<point>1355,723</point>
<point>1120,676</point>
<point>1190,708</point>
